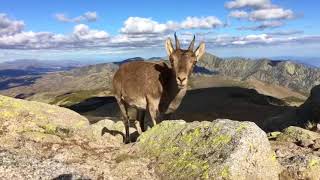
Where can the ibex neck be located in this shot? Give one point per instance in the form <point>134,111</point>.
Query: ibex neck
<point>172,96</point>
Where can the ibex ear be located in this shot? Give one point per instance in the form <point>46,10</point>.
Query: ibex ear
<point>200,51</point>
<point>169,47</point>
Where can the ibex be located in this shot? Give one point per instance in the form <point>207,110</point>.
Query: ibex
<point>155,87</point>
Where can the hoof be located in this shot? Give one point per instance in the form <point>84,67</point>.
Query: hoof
<point>127,140</point>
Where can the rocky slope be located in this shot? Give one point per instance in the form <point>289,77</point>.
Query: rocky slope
<point>298,77</point>
<point>298,151</point>
<point>73,85</point>
<point>41,141</point>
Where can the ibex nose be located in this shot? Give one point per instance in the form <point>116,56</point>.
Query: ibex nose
<point>181,79</point>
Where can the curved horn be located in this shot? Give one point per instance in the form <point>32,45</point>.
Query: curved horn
<point>177,41</point>
<point>191,46</point>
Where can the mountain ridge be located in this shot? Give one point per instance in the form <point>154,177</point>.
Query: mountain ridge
<point>96,79</point>
<point>295,76</point>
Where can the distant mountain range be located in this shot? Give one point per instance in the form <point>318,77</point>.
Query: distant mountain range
<point>89,80</point>
<point>41,65</point>
<point>296,76</point>
<point>309,61</point>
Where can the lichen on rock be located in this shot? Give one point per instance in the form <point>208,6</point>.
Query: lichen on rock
<point>41,141</point>
<point>221,149</point>
<point>297,135</point>
<point>297,150</point>
<point>20,119</point>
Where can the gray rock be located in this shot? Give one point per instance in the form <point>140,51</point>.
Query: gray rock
<point>297,151</point>
<point>41,141</point>
<point>304,166</point>
<point>222,149</point>
<point>298,135</point>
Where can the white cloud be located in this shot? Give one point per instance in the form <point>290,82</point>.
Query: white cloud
<point>248,3</point>
<point>9,26</point>
<point>239,14</point>
<point>26,40</point>
<point>270,14</point>
<point>139,25</point>
<point>146,34</point>
<point>263,14</point>
<point>88,16</point>
<point>260,40</point>
<point>286,33</point>
<point>208,22</point>
<point>85,38</point>
<point>82,36</point>
<point>264,25</point>
<point>259,10</point>
<point>83,32</point>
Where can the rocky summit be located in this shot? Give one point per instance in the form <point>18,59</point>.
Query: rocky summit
<point>41,141</point>
<point>296,76</point>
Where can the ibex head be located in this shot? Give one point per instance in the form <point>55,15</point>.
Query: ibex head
<point>182,61</point>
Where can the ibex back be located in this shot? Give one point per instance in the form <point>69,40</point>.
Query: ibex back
<point>154,87</point>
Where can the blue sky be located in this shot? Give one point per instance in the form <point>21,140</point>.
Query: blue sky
<point>113,30</point>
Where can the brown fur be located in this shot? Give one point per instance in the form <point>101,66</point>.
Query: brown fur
<point>154,87</point>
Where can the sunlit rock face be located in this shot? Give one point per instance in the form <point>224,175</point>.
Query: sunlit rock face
<point>221,149</point>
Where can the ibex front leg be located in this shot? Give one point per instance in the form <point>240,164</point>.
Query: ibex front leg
<point>153,110</point>
<point>140,121</point>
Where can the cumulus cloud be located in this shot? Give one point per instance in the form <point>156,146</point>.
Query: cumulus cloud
<point>9,26</point>
<point>271,14</point>
<point>88,16</point>
<point>208,22</point>
<point>239,14</point>
<point>248,3</point>
<point>82,36</point>
<point>212,40</point>
<point>147,34</point>
<point>260,40</point>
<point>139,25</point>
<point>286,33</point>
<point>129,41</point>
<point>85,38</point>
<point>263,14</point>
<point>83,32</point>
<point>264,25</point>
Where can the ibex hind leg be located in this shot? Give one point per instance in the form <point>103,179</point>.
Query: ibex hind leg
<point>152,107</point>
<point>125,119</point>
<point>140,121</point>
